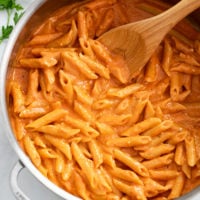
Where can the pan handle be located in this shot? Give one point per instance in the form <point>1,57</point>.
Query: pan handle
<point>18,193</point>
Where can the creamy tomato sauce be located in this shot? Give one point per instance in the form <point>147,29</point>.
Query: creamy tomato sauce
<point>89,128</point>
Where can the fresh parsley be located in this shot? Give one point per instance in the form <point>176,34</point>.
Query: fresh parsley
<point>14,11</point>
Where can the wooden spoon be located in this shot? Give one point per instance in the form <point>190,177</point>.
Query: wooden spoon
<point>137,41</point>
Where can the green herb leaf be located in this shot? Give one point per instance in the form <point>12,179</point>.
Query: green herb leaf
<point>6,4</point>
<point>17,17</point>
<point>9,6</point>
<point>16,6</point>
<point>6,30</point>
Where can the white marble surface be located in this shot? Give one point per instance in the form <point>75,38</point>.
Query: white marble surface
<point>33,189</point>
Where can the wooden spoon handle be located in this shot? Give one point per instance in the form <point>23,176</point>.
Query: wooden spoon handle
<point>178,12</point>
<point>165,21</point>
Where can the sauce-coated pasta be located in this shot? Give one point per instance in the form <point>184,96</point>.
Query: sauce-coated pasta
<point>89,128</point>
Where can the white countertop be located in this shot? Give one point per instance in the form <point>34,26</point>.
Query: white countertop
<point>33,189</point>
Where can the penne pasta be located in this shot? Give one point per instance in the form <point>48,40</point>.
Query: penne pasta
<point>109,160</point>
<point>106,23</point>
<point>124,92</point>
<point>74,59</point>
<point>47,153</point>
<point>20,130</point>
<point>130,190</point>
<point>93,128</point>
<point>32,89</point>
<point>83,96</point>
<point>138,110</point>
<point>116,120</point>
<point>131,162</point>
<point>152,188</point>
<point>179,154</point>
<point>126,175</point>
<point>176,89</point>
<point>67,171</point>
<point>190,150</point>
<point>96,67</point>
<point>163,126</point>
<point>80,186</point>
<point>44,62</point>
<point>67,40</point>
<point>87,49</point>
<point>32,151</point>
<point>48,118</point>
<point>151,72</point>
<point>96,153</point>
<point>102,104</point>
<point>159,162</point>
<point>179,137</point>
<point>163,174</point>
<point>84,163</point>
<point>132,141</point>
<point>51,173</point>
<point>18,97</point>
<point>149,110</point>
<point>59,162</point>
<point>141,127</point>
<point>44,38</point>
<point>177,187</point>
<point>60,145</point>
<point>83,112</point>
<point>57,130</point>
<point>33,112</point>
<point>67,86</point>
<point>157,151</point>
<point>99,4</point>
<point>82,26</point>
<point>162,138</point>
<point>82,125</point>
<point>167,58</point>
